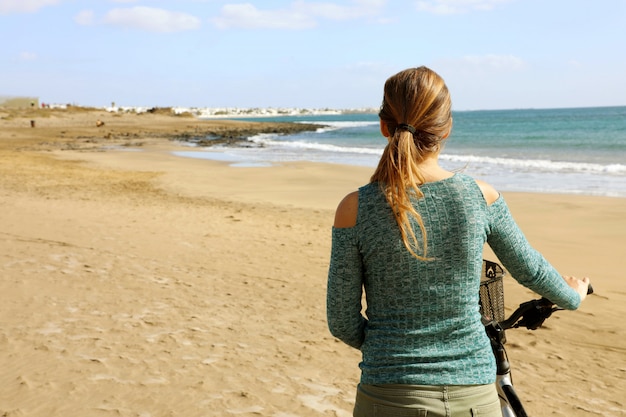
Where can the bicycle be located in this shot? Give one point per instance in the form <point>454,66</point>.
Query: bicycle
<point>530,315</point>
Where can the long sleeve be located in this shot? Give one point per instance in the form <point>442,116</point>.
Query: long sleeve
<point>343,303</point>
<point>525,263</point>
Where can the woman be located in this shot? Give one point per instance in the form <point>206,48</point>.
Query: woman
<point>412,240</point>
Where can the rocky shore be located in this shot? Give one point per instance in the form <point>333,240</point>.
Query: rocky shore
<point>79,128</point>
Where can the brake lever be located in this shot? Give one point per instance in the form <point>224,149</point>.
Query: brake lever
<point>535,316</point>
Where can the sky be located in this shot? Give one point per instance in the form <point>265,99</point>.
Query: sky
<point>493,54</point>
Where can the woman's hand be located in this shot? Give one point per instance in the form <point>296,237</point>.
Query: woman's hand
<point>580,285</point>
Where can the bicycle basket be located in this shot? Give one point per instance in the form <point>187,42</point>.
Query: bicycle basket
<point>491,291</point>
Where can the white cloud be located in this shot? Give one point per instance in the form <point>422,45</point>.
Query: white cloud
<point>249,17</point>
<point>490,65</point>
<point>84,18</point>
<point>27,56</point>
<point>24,6</point>
<point>332,11</point>
<point>151,19</point>
<point>574,63</point>
<point>494,62</point>
<point>487,81</point>
<point>299,15</point>
<point>484,63</point>
<point>457,6</point>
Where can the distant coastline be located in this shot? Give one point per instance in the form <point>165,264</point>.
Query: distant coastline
<point>228,112</point>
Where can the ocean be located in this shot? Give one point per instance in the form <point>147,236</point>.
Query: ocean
<point>574,151</point>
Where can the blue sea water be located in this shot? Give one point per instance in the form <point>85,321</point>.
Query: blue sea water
<point>578,150</point>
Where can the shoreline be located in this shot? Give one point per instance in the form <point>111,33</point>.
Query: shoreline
<point>142,283</point>
<point>223,155</point>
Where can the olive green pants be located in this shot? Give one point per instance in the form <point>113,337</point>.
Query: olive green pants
<point>426,400</point>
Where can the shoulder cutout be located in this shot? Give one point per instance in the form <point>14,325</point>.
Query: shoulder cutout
<point>346,213</point>
<point>490,194</point>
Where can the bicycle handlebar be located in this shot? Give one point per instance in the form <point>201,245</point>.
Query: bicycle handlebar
<point>533,313</point>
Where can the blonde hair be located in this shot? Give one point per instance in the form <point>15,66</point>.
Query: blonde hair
<point>417,97</point>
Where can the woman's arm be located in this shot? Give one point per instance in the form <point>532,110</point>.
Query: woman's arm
<point>526,264</point>
<point>344,291</point>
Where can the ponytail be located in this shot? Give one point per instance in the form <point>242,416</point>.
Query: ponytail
<point>399,176</point>
<point>416,113</point>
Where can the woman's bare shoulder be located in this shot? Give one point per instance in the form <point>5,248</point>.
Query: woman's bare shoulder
<point>347,210</point>
<point>489,193</point>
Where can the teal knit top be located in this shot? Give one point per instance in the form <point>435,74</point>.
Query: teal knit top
<point>422,323</point>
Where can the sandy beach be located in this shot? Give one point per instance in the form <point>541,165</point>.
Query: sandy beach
<point>138,283</point>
